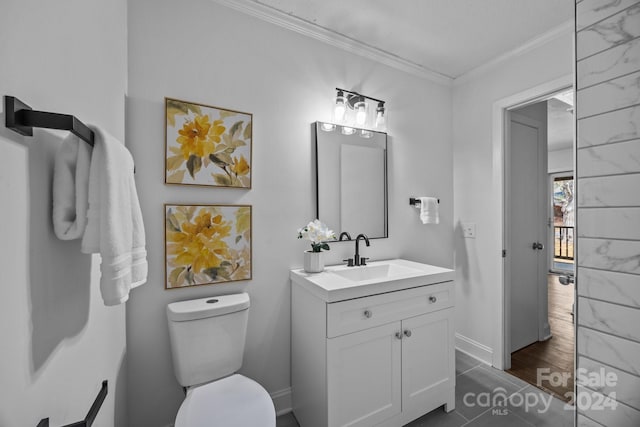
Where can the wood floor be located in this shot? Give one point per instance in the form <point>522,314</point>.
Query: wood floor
<point>555,354</point>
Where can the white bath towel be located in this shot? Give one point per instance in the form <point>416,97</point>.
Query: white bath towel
<point>114,227</point>
<point>70,188</point>
<point>429,210</point>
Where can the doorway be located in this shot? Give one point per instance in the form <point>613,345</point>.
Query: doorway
<point>526,224</point>
<point>539,226</point>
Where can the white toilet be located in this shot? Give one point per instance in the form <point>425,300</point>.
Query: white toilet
<point>207,343</point>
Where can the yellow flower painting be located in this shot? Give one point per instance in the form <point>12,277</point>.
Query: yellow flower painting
<point>207,244</point>
<point>207,145</point>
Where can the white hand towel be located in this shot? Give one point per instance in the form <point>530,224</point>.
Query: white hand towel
<point>70,188</point>
<point>429,210</point>
<point>115,228</point>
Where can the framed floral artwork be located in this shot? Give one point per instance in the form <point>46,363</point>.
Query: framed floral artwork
<point>207,244</point>
<point>207,145</point>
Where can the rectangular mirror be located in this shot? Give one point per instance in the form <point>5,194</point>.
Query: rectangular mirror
<point>351,169</point>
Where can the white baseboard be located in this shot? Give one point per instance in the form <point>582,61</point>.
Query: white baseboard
<point>282,401</point>
<point>474,349</point>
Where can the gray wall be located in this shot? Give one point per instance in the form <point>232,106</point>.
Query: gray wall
<point>204,52</point>
<point>477,262</point>
<point>608,171</point>
<point>58,340</point>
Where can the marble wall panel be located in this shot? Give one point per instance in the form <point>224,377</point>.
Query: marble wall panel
<point>614,255</point>
<point>606,412</point>
<point>608,96</point>
<point>608,199</point>
<point>614,351</point>
<point>610,32</point>
<point>620,288</point>
<point>610,159</point>
<point>610,223</point>
<point>625,387</point>
<point>613,191</point>
<point>612,319</point>
<point>610,64</point>
<point>588,12</point>
<point>615,126</point>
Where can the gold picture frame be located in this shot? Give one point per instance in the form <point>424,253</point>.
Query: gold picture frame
<point>207,145</point>
<point>207,244</point>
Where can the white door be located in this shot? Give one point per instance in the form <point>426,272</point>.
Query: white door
<point>526,224</point>
<point>363,376</point>
<point>428,358</point>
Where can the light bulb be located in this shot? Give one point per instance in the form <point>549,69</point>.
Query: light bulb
<point>346,130</point>
<point>380,119</point>
<point>361,112</point>
<point>340,108</point>
<point>339,112</point>
<point>327,127</point>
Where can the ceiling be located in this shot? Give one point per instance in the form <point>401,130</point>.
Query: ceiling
<point>559,124</point>
<point>447,37</point>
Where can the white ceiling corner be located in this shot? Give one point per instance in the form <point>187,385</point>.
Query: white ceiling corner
<point>445,41</point>
<point>302,26</point>
<point>566,28</point>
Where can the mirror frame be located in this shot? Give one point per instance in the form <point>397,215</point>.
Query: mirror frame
<point>315,130</point>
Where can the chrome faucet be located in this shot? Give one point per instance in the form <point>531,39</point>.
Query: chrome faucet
<point>356,258</point>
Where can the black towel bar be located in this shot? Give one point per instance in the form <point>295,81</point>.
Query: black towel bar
<point>91,415</point>
<point>21,118</point>
<point>413,201</point>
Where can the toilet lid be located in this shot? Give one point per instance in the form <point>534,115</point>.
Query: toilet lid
<point>235,401</point>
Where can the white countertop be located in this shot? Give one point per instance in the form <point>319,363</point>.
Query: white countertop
<point>332,287</point>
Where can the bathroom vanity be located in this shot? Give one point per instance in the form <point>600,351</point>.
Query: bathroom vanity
<point>372,345</point>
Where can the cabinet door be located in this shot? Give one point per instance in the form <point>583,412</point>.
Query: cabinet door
<point>427,358</point>
<point>363,376</point>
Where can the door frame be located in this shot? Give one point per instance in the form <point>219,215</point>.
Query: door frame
<point>501,357</point>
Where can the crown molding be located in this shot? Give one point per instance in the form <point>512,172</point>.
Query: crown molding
<point>540,40</point>
<point>309,29</point>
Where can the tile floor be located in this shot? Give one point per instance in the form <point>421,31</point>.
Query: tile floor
<point>527,406</point>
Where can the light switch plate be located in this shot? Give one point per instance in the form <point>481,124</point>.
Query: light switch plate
<point>469,230</point>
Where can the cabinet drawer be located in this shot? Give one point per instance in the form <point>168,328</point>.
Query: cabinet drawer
<point>361,313</point>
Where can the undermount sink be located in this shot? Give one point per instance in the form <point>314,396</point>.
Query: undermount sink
<point>373,272</point>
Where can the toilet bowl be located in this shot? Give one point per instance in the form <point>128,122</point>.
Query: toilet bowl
<point>207,344</point>
<point>235,401</point>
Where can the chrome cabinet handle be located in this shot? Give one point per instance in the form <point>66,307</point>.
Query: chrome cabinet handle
<point>432,299</point>
<point>399,335</point>
<point>407,333</point>
<point>368,314</point>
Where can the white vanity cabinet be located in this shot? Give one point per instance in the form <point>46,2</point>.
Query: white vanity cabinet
<point>382,359</point>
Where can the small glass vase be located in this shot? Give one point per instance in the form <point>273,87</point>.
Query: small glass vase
<point>313,261</point>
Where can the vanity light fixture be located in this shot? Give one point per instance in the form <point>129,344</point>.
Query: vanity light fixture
<point>351,109</point>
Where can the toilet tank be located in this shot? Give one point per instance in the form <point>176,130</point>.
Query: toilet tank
<point>207,337</point>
